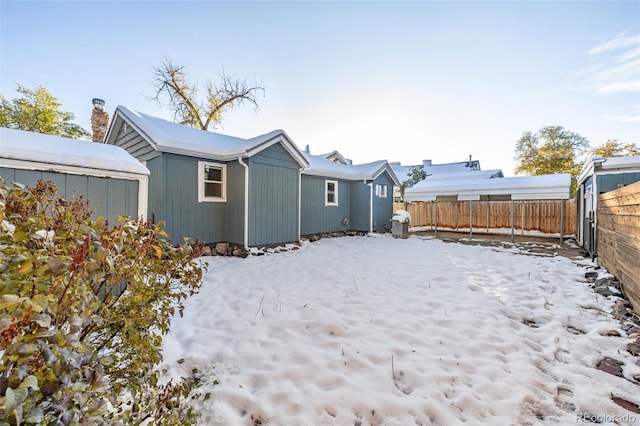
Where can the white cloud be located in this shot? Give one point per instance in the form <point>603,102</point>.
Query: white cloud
<point>618,42</point>
<point>630,117</point>
<point>618,64</point>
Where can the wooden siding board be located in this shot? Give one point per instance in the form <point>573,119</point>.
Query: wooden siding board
<point>235,203</point>
<point>383,207</point>
<point>273,197</point>
<point>8,174</point>
<point>273,202</point>
<point>360,198</point>
<point>97,195</point>
<point>619,238</point>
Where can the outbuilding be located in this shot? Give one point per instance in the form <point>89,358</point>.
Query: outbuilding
<point>113,181</point>
<point>600,175</point>
<point>212,187</point>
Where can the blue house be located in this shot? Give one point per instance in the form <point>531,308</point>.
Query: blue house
<point>113,181</point>
<point>213,187</point>
<point>600,175</point>
<point>340,196</point>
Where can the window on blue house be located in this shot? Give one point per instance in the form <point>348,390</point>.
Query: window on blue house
<point>381,191</point>
<point>212,182</point>
<point>331,192</point>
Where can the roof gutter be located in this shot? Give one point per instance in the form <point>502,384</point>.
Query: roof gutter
<point>245,234</point>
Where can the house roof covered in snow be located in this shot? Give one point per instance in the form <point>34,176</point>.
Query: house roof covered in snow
<point>320,165</point>
<point>37,148</point>
<point>446,169</point>
<point>546,187</point>
<point>609,165</point>
<point>167,136</point>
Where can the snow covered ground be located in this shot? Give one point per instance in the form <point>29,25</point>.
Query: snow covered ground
<point>375,330</point>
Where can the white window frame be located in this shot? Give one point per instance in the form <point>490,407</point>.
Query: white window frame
<point>326,192</point>
<point>381,191</point>
<point>201,182</point>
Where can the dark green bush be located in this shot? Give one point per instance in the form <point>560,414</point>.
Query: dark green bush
<point>83,307</point>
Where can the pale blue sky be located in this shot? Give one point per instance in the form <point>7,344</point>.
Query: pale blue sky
<point>403,81</point>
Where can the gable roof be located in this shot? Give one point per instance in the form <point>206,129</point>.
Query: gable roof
<point>170,137</point>
<point>35,147</point>
<point>320,165</point>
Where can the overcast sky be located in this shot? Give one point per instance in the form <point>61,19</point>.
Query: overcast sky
<point>403,81</point>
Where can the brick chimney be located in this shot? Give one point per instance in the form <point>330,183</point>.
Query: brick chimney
<point>99,120</point>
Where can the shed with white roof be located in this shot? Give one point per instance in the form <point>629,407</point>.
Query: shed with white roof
<point>112,180</point>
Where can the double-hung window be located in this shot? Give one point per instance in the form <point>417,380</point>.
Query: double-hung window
<point>212,182</point>
<point>331,192</point>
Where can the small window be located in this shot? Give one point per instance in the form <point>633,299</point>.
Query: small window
<point>381,191</point>
<point>212,182</point>
<point>331,192</point>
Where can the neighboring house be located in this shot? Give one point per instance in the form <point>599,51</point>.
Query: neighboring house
<point>600,175</point>
<point>340,196</point>
<point>112,180</point>
<point>213,187</point>
<point>457,170</point>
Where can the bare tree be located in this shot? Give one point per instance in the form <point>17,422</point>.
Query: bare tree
<point>171,82</point>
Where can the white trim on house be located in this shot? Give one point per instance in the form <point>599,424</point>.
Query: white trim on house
<point>327,192</point>
<point>202,182</point>
<point>381,190</point>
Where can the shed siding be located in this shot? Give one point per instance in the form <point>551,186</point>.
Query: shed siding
<point>315,216</point>
<point>273,197</point>
<point>184,216</point>
<point>383,207</point>
<point>360,206</point>
<point>610,182</point>
<point>131,141</point>
<point>112,197</point>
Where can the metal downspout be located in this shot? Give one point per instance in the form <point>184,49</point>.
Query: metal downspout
<point>370,206</point>
<point>245,236</point>
<point>299,202</point>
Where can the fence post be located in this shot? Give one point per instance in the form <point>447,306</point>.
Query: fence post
<point>488,208</point>
<point>435,208</point>
<point>513,221</point>
<point>470,219</point>
<point>561,221</point>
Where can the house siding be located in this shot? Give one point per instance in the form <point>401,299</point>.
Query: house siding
<point>131,141</point>
<point>273,197</point>
<point>110,197</point>
<point>316,217</point>
<point>610,182</point>
<point>175,198</point>
<point>360,206</point>
<point>383,207</point>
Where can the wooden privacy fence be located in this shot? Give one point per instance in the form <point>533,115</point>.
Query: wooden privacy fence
<point>539,215</point>
<point>618,238</point>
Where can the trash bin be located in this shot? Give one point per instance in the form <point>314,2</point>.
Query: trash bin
<point>400,224</point>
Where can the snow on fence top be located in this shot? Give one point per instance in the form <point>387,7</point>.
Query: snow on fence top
<point>35,147</point>
<point>546,187</point>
